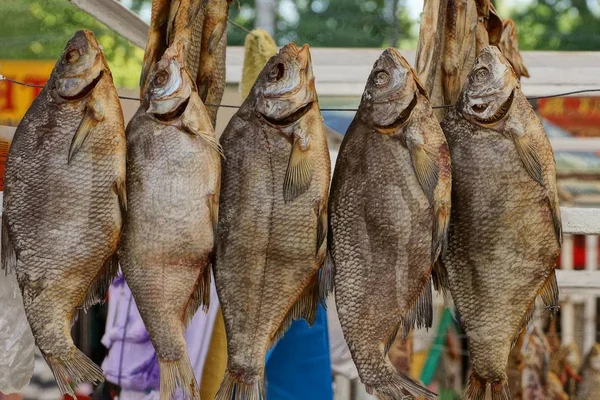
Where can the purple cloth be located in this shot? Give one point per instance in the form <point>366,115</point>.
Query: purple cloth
<point>131,361</point>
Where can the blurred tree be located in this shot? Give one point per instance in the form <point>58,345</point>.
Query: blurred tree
<point>332,23</point>
<point>40,29</point>
<point>558,25</point>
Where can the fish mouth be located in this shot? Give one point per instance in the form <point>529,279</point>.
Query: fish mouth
<point>86,90</point>
<point>290,119</point>
<point>404,115</point>
<point>176,113</point>
<point>499,115</point>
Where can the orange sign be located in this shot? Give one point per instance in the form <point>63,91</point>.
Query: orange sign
<point>577,115</point>
<point>16,99</point>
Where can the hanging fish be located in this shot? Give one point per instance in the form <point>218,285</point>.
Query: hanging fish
<point>273,216</point>
<point>157,41</point>
<point>509,45</point>
<point>173,173</point>
<point>505,228</point>
<point>63,203</point>
<point>389,213</point>
<point>211,69</point>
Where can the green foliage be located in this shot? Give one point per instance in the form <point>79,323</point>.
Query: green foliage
<point>558,25</point>
<point>333,23</point>
<point>40,29</point>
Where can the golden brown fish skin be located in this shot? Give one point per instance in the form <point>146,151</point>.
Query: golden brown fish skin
<point>589,388</point>
<point>62,203</point>
<point>387,220</point>
<point>186,24</point>
<point>157,39</point>
<point>211,71</point>
<point>509,45</point>
<point>173,170</point>
<point>271,233</point>
<point>505,229</point>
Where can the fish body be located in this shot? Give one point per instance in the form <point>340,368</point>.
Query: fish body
<point>211,69</point>
<point>157,41</point>
<point>63,202</point>
<point>505,229</point>
<point>272,218</point>
<point>173,172</point>
<point>389,212</point>
<point>509,45</point>
<point>589,388</point>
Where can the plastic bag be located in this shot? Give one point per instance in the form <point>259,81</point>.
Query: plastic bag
<point>16,340</point>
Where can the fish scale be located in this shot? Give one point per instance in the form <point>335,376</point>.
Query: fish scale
<point>271,212</point>
<point>173,180</point>
<point>63,217</point>
<point>505,231</point>
<point>388,208</point>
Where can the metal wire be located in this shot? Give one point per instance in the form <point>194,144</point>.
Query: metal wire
<point>248,31</point>
<point>594,90</point>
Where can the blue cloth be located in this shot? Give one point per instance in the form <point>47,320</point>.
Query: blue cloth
<point>298,367</point>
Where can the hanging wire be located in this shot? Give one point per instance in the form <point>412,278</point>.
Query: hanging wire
<point>594,90</point>
<point>248,31</point>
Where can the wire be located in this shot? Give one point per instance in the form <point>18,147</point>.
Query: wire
<point>248,31</point>
<point>4,78</point>
<point>595,90</point>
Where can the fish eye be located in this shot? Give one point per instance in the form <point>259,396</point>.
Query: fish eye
<point>161,78</point>
<point>72,56</point>
<point>382,78</point>
<point>481,75</point>
<point>276,73</point>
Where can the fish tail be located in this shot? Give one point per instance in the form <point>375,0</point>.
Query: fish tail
<point>233,388</point>
<point>326,279</point>
<point>75,368</point>
<point>174,374</point>
<point>477,386</point>
<point>399,387</point>
<point>500,390</point>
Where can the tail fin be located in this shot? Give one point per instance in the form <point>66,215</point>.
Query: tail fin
<point>76,368</point>
<point>398,387</point>
<point>477,386</point>
<point>234,389</point>
<point>174,374</point>
<point>414,388</point>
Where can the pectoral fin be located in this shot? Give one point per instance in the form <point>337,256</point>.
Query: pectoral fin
<point>195,121</point>
<point>299,171</point>
<point>556,217</point>
<point>528,152</point>
<point>216,35</point>
<point>93,114</point>
<point>425,170</point>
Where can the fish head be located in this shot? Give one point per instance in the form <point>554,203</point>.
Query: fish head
<point>391,91</point>
<point>169,86</point>
<point>488,94</point>
<point>285,89</point>
<point>80,67</point>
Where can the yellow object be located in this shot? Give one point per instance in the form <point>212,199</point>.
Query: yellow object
<point>418,362</point>
<point>16,99</point>
<point>259,48</point>
<point>216,360</point>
